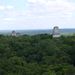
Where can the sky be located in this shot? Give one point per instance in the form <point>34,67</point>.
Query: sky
<point>36,14</point>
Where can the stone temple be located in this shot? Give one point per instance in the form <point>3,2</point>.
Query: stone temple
<point>13,33</point>
<point>56,32</point>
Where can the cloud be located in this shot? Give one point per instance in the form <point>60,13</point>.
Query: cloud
<point>51,6</point>
<point>43,8</point>
<point>9,7</point>
<point>9,19</point>
<point>40,14</point>
<point>4,8</point>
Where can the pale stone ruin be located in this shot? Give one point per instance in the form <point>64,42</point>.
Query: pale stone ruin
<point>56,32</point>
<point>13,33</point>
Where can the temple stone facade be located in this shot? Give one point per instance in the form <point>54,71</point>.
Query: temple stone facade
<point>13,33</point>
<point>56,32</point>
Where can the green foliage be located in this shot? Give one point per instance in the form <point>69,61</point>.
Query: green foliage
<point>37,55</point>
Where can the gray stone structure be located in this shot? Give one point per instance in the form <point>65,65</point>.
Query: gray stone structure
<point>56,32</point>
<point>13,33</point>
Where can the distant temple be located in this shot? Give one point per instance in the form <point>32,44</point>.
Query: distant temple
<point>56,32</point>
<point>13,33</point>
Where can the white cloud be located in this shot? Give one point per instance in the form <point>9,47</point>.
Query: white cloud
<point>51,6</point>
<point>4,8</point>
<point>9,7</point>
<point>9,19</point>
<point>44,8</point>
<point>40,14</point>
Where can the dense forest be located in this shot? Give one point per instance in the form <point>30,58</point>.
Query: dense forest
<point>37,55</point>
